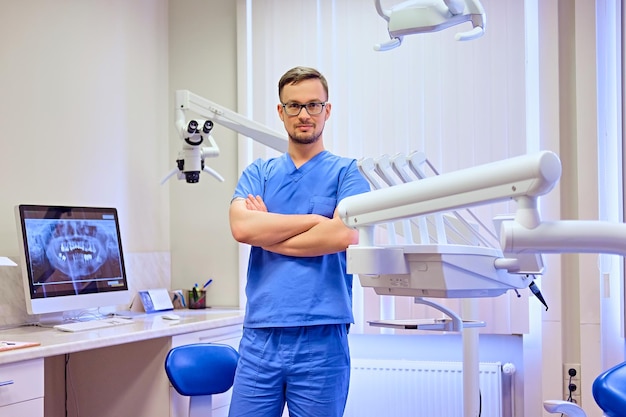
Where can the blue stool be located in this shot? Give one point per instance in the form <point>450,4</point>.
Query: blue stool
<point>200,370</point>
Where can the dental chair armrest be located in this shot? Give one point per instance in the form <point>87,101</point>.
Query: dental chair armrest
<point>564,407</point>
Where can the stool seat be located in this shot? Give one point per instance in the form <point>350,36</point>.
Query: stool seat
<point>200,370</point>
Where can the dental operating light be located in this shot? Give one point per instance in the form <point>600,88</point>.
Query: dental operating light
<point>425,16</point>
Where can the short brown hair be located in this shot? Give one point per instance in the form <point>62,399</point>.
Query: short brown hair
<point>297,74</point>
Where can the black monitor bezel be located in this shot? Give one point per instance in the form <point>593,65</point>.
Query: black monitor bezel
<point>61,212</point>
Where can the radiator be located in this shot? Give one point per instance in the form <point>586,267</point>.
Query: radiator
<point>401,388</point>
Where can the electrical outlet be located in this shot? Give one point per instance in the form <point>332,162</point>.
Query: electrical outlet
<point>575,369</point>
<point>571,375</point>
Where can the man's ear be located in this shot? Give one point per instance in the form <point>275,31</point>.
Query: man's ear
<point>280,109</point>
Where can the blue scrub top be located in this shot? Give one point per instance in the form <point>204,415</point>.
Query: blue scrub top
<point>286,291</point>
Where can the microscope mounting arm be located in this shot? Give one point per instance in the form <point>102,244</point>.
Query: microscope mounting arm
<point>194,133</point>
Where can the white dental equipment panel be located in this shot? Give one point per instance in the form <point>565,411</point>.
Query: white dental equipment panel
<point>438,268</point>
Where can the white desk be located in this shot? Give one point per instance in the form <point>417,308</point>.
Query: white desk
<point>115,371</point>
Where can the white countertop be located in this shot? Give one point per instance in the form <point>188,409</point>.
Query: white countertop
<point>150,326</point>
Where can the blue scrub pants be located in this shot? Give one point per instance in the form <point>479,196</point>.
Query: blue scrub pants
<point>306,367</point>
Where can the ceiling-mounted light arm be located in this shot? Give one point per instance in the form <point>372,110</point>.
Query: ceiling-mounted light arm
<point>381,12</point>
<point>478,19</point>
<point>424,16</point>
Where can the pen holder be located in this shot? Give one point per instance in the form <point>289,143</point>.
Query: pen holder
<point>197,299</point>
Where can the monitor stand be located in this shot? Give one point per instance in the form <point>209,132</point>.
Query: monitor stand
<point>52,319</point>
<point>127,314</point>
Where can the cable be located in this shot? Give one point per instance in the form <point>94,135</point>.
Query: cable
<point>67,360</point>
<point>68,381</point>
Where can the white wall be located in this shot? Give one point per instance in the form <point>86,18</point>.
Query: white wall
<point>83,112</point>
<point>202,59</point>
<point>86,111</point>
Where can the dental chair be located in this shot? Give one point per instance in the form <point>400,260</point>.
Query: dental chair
<point>609,391</point>
<point>199,371</point>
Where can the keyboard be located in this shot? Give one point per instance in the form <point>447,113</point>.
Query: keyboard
<point>80,326</point>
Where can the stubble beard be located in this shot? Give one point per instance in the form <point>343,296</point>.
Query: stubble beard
<point>305,139</point>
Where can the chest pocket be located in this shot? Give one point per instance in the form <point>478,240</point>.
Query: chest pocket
<point>324,206</point>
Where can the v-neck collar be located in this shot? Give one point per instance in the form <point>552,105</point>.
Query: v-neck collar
<point>297,173</point>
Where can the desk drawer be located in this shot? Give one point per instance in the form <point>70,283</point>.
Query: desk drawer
<point>229,335</point>
<point>21,381</point>
<point>30,408</point>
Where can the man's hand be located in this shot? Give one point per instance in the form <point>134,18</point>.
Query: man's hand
<point>255,203</point>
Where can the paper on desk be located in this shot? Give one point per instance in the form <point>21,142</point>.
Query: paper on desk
<point>156,300</point>
<point>4,261</point>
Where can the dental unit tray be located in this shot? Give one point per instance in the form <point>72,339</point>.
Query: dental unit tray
<point>437,324</point>
<point>440,271</point>
<point>453,323</point>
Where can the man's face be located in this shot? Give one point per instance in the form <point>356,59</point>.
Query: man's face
<point>304,128</point>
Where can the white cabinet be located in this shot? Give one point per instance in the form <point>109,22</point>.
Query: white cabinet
<point>229,335</point>
<point>22,388</point>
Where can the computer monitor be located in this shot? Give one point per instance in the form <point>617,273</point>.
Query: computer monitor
<point>71,258</point>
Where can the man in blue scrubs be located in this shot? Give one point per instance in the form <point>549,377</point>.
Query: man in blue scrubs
<point>294,348</point>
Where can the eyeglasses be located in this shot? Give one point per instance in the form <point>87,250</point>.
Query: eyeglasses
<point>294,109</point>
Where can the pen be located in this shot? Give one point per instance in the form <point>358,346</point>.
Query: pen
<point>208,283</point>
<point>195,294</point>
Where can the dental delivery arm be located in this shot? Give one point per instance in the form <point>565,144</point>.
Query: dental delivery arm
<point>522,179</point>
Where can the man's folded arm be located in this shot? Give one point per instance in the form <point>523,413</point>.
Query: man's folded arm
<point>328,236</point>
<point>261,228</point>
